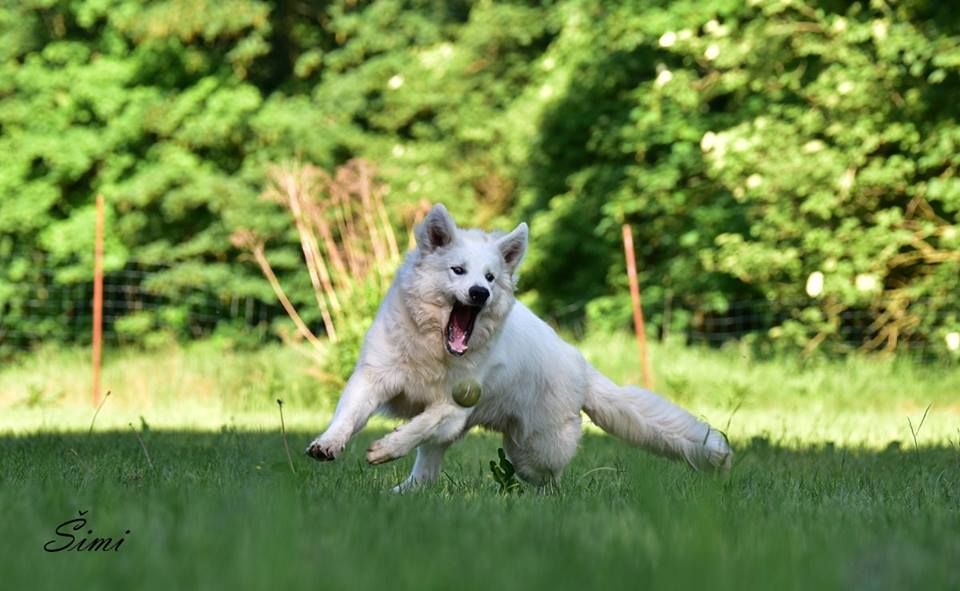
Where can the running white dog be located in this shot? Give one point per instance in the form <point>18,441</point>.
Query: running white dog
<point>451,316</point>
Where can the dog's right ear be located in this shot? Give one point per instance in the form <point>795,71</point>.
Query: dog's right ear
<point>436,230</point>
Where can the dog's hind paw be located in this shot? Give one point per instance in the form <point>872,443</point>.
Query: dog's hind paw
<point>323,451</point>
<point>381,452</point>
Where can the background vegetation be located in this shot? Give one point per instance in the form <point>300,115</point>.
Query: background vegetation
<point>751,145</point>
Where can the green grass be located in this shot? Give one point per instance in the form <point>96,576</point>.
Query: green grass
<point>829,488</point>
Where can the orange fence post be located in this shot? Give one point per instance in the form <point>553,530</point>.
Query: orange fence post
<point>98,301</point>
<point>638,325</point>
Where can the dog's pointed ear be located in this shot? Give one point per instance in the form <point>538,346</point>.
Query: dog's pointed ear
<point>436,230</point>
<point>513,246</point>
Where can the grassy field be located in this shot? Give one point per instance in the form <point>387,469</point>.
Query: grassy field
<point>836,483</point>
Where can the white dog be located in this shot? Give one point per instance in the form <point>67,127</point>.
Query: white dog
<point>451,316</point>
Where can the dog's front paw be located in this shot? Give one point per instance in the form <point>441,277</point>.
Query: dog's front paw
<point>381,452</point>
<point>323,451</point>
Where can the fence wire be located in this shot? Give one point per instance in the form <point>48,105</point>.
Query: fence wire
<point>60,312</point>
<point>63,312</point>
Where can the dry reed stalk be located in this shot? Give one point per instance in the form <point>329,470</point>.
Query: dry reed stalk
<point>302,328</point>
<point>339,217</point>
<point>303,202</point>
<point>351,242</point>
<point>385,222</point>
<point>293,185</point>
<point>361,184</point>
<point>315,213</point>
<point>345,234</point>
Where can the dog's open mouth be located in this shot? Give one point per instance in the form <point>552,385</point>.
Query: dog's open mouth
<point>460,327</point>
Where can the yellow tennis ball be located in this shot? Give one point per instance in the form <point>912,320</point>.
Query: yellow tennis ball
<point>467,393</point>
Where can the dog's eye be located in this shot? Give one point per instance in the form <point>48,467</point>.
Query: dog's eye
<point>458,270</point>
<point>489,276</point>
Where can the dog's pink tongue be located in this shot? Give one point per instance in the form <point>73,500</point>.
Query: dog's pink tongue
<point>457,339</point>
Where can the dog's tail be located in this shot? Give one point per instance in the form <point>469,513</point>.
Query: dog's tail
<point>658,425</point>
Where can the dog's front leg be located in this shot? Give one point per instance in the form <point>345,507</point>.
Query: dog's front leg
<point>361,397</point>
<point>441,423</point>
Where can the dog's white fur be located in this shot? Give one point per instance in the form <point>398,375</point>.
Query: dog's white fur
<point>534,384</point>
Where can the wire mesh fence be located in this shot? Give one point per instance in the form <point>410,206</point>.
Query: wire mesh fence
<point>844,329</point>
<point>927,329</point>
<point>133,304</point>
<point>137,309</point>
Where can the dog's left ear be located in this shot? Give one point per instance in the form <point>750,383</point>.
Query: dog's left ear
<point>513,246</point>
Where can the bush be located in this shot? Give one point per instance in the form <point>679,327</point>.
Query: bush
<point>752,145</point>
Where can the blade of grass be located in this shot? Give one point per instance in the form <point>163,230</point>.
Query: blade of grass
<point>97,412</point>
<point>143,445</point>
<point>283,432</point>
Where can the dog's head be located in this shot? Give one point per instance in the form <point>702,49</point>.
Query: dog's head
<point>462,281</point>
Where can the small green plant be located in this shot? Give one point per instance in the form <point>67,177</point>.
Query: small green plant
<point>505,475</point>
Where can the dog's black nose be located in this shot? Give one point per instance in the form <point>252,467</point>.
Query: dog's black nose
<point>479,295</point>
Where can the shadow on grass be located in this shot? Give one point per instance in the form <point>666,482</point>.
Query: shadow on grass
<point>237,452</point>
<point>218,510</point>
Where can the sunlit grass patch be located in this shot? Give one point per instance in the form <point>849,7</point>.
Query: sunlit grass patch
<point>852,402</point>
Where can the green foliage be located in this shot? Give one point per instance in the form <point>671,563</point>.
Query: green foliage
<point>751,145</point>
<point>748,144</point>
<point>173,110</point>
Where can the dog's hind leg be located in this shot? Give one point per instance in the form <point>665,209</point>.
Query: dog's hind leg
<point>645,419</point>
<point>426,469</point>
<point>540,457</point>
<point>361,397</point>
